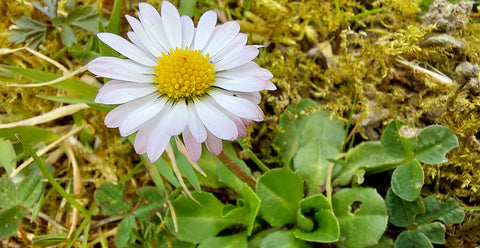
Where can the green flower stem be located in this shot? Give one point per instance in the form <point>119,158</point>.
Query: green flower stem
<point>328,182</point>
<point>43,168</point>
<point>254,157</point>
<point>233,167</point>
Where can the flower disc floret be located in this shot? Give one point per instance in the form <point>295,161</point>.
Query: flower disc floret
<point>183,73</point>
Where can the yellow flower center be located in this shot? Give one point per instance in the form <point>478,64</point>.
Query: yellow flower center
<point>183,73</point>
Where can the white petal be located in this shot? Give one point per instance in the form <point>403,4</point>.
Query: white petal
<point>254,97</point>
<point>241,127</point>
<point>145,132</point>
<point>215,121</point>
<point>188,30</point>
<point>222,35</point>
<point>247,84</point>
<point>250,68</point>
<point>115,117</point>
<point>121,69</point>
<point>133,37</point>
<point>149,42</point>
<point>141,115</point>
<point>171,24</point>
<point>152,23</point>
<point>270,86</point>
<point>237,105</point>
<point>214,144</point>
<point>194,149</point>
<point>127,49</point>
<point>205,27</point>
<point>236,44</point>
<point>157,144</point>
<point>236,58</point>
<point>175,118</point>
<point>195,124</point>
<point>117,92</point>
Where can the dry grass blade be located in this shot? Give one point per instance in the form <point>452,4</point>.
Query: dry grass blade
<point>177,172</point>
<point>4,51</point>
<point>174,214</point>
<point>50,116</point>
<point>77,185</point>
<point>183,150</point>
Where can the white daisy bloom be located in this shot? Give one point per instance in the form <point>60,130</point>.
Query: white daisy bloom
<point>177,79</point>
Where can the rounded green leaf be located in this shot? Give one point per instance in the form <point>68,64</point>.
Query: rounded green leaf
<point>279,191</point>
<point>362,215</point>
<point>319,126</point>
<point>435,232</point>
<point>282,239</point>
<point>401,213</point>
<point>433,143</point>
<point>124,235</point>
<point>407,180</point>
<point>9,219</point>
<point>197,221</point>
<point>412,239</point>
<point>447,212</point>
<point>8,193</point>
<point>396,143</point>
<point>319,223</point>
<point>7,155</point>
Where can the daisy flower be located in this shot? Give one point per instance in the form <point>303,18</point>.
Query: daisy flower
<point>177,79</point>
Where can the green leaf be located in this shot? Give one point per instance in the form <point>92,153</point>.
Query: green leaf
<point>279,191</point>
<point>7,155</point>
<point>28,23</point>
<point>197,221</point>
<point>435,232</point>
<point>49,239</point>
<point>401,213</point>
<point>447,212</point>
<point>110,199</point>
<point>8,193</point>
<point>238,240</point>
<point>319,127</point>
<point>253,206</point>
<point>9,219</point>
<point>185,167</point>
<point>114,22</point>
<point>29,190</point>
<point>367,156</point>
<point>362,225</point>
<point>73,86</point>
<point>166,171</point>
<point>396,144</point>
<point>407,180</point>
<point>83,17</point>
<point>32,134</point>
<point>291,125</point>
<point>384,242</point>
<point>311,163</point>
<point>412,239</point>
<point>433,143</point>
<point>124,235</point>
<point>282,239</point>
<point>152,200</point>
<point>226,176</point>
<point>324,227</point>
<point>68,36</point>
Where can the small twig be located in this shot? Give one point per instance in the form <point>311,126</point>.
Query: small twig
<point>77,185</point>
<point>233,167</point>
<point>4,51</point>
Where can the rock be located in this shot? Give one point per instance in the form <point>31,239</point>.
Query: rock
<point>444,40</point>
<point>448,17</point>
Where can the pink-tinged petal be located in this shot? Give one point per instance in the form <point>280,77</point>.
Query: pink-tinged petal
<point>242,129</point>
<point>145,132</point>
<point>121,69</point>
<point>236,58</point>
<point>127,49</point>
<point>175,118</point>
<point>254,97</point>
<point>247,84</point>
<point>235,45</point>
<point>115,117</point>
<point>157,144</point>
<point>215,121</point>
<point>172,24</point>
<point>195,124</point>
<point>270,86</point>
<point>214,144</point>
<point>117,92</point>
<point>194,149</point>
<point>222,35</point>
<point>149,42</point>
<point>188,30</point>
<point>237,105</point>
<point>140,116</point>
<point>153,25</point>
<point>246,122</point>
<point>205,27</point>
<point>250,68</point>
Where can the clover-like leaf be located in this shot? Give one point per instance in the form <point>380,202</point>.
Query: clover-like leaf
<point>316,221</point>
<point>396,142</point>
<point>282,239</point>
<point>29,190</point>
<point>279,191</point>
<point>401,213</point>
<point>151,200</point>
<point>362,215</point>
<point>434,231</point>
<point>7,155</point>
<point>124,235</point>
<point>407,180</point>
<point>9,219</point>
<point>433,143</point>
<point>8,193</point>
<point>447,212</point>
<point>413,239</point>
